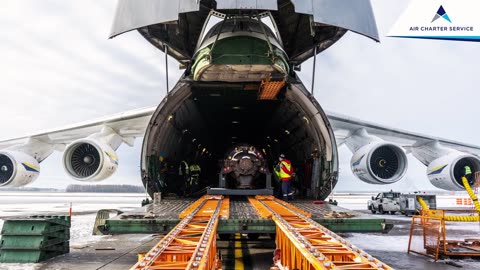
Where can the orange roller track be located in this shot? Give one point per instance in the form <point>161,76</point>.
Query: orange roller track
<point>304,244</point>
<point>192,243</point>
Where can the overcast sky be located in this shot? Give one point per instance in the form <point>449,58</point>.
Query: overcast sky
<point>58,67</point>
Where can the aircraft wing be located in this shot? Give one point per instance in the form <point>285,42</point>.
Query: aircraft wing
<point>344,126</point>
<point>128,125</point>
<point>132,124</point>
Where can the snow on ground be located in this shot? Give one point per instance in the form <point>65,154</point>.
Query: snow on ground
<point>84,205</point>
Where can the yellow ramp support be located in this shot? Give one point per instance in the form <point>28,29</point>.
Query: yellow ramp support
<point>305,244</point>
<point>192,243</point>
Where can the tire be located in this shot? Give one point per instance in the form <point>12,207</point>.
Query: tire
<point>392,212</point>
<point>373,210</point>
<point>380,210</point>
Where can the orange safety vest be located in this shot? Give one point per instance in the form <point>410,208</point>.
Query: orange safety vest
<point>286,170</point>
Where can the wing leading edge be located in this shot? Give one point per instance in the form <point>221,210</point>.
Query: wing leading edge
<point>128,125</point>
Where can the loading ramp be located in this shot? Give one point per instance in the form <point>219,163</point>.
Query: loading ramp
<point>192,243</point>
<point>302,243</point>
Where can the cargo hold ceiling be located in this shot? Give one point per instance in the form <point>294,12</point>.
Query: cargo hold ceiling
<point>217,118</point>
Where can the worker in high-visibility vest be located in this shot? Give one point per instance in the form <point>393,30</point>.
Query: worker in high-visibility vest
<point>194,178</point>
<point>284,171</point>
<point>468,173</point>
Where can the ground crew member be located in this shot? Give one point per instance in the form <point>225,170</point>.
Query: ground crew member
<point>162,170</point>
<point>284,171</point>
<point>195,171</point>
<point>468,173</point>
<point>183,175</point>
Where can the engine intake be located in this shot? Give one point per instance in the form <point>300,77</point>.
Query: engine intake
<point>17,169</point>
<point>89,160</point>
<point>446,172</point>
<point>379,163</point>
<point>7,169</point>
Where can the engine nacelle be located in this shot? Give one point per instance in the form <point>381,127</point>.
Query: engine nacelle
<point>89,160</point>
<point>446,172</point>
<point>379,163</point>
<point>17,169</point>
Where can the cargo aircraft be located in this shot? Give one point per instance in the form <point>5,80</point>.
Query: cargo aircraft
<point>240,103</point>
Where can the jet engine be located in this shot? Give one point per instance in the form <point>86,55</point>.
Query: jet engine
<point>379,163</point>
<point>17,169</point>
<point>89,160</point>
<point>243,164</point>
<point>446,172</point>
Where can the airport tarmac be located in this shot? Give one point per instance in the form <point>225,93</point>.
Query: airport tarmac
<point>120,251</point>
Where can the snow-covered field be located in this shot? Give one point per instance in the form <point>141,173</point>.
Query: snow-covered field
<point>84,206</point>
<point>391,248</point>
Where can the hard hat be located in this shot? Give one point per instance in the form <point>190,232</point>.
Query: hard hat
<point>282,156</point>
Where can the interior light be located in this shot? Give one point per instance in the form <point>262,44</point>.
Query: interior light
<point>170,117</point>
<point>275,140</point>
<point>234,138</point>
<point>194,139</point>
<point>286,131</point>
<point>215,95</point>
<point>235,122</point>
<point>236,108</point>
<point>204,149</point>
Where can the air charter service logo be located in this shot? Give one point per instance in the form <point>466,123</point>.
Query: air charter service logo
<point>416,21</point>
<point>441,14</point>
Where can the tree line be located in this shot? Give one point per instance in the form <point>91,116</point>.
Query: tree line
<point>105,188</point>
